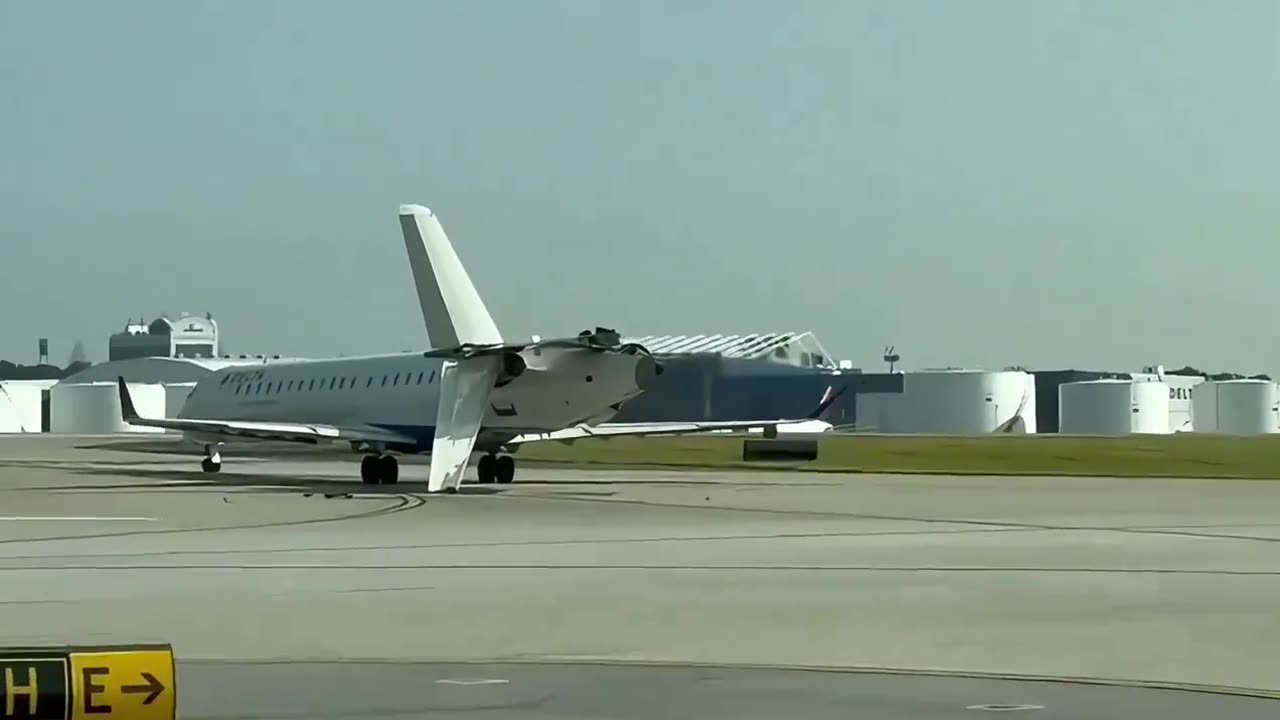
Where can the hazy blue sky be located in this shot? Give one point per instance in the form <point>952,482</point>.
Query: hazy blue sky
<point>981,182</point>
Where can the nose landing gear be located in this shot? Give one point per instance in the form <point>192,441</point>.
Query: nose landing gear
<point>496,468</point>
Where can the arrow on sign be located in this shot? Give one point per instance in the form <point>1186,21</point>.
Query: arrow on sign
<point>153,686</point>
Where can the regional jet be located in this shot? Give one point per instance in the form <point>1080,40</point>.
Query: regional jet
<point>473,394</point>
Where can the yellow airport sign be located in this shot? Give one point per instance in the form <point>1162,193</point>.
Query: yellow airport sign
<point>133,682</point>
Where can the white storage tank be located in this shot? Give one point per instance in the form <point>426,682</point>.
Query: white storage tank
<point>21,404</point>
<point>1180,387</point>
<point>952,402</point>
<point>1236,407</point>
<point>94,408</point>
<point>1113,407</point>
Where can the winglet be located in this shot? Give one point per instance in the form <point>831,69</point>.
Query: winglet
<point>452,309</point>
<point>828,398</point>
<point>127,411</point>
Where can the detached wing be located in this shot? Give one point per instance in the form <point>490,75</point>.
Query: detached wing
<point>242,429</point>
<point>674,428</point>
<point>644,429</point>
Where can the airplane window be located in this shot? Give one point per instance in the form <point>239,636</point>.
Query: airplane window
<point>432,378</point>
<point>384,381</point>
<point>237,390</point>
<point>224,380</point>
<point>420,374</point>
<point>370,383</point>
<point>313,384</point>
<point>353,383</point>
<point>396,380</point>
<point>331,382</point>
<point>342,383</point>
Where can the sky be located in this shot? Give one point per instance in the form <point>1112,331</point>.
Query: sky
<point>980,183</point>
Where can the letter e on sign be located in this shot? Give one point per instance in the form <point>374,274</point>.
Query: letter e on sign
<point>123,685</point>
<point>34,689</point>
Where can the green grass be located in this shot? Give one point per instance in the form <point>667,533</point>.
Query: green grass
<point>1183,455</point>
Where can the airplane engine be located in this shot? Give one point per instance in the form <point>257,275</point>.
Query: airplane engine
<point>513,366</point>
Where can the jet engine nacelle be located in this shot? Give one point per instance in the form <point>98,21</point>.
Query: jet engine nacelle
<point>513,366</point>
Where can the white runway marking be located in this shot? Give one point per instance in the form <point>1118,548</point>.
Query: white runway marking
<point>67,518</point>
<point>472,681</point>
<point>191,487</point>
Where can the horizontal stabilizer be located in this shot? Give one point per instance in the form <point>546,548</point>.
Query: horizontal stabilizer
<point>464,398</point>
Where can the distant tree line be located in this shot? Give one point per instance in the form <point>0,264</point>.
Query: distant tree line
<point>1215,376</point>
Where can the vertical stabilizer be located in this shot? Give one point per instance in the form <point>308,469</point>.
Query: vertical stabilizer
<point>451,308</point>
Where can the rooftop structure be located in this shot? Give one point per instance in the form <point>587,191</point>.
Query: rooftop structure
<point>791,348</point>
<point>187,336</point>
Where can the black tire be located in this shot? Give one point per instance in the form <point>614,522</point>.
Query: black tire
<point>505,468</point>
<point>388,470</point>
<point>209,466</point>
<point>485,471</point>
<point>369,469</point>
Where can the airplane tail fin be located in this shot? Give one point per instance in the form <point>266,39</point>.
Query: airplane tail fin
<point>452,310</point>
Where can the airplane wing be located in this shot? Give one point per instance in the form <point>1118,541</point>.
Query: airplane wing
<point>646,429</point>
<point>672,428</point>
<point>248,430</point>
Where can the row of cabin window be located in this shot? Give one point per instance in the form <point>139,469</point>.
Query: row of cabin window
<point>335,383</point>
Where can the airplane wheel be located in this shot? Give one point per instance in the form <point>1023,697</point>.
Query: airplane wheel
<point>389,470</point>
<point>209,466</point>
<point>505,468</point>
<point>369,469</point>
<point>485,469</point>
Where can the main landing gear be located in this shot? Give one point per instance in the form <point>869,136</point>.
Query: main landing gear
<point>379,469</point>
<point>499,468</point>
<point>212,461</point>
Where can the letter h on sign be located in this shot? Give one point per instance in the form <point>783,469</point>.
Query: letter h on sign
<point>33,689</point>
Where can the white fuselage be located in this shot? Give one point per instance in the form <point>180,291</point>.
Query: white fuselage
<point>401,392</point>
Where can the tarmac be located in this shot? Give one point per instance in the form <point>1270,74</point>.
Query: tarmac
<point>612,593</point>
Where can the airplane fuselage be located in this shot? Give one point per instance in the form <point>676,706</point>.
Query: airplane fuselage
<point>401,393</point>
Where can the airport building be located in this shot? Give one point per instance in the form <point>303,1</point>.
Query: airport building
<point>188,336</point>
<point>162,360</point>
<point>710,378</point>
<point>720,377</point>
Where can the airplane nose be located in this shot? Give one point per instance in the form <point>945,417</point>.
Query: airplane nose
<point>647,369</point>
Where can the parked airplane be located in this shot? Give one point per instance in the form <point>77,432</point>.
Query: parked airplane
<point>474,393</point>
